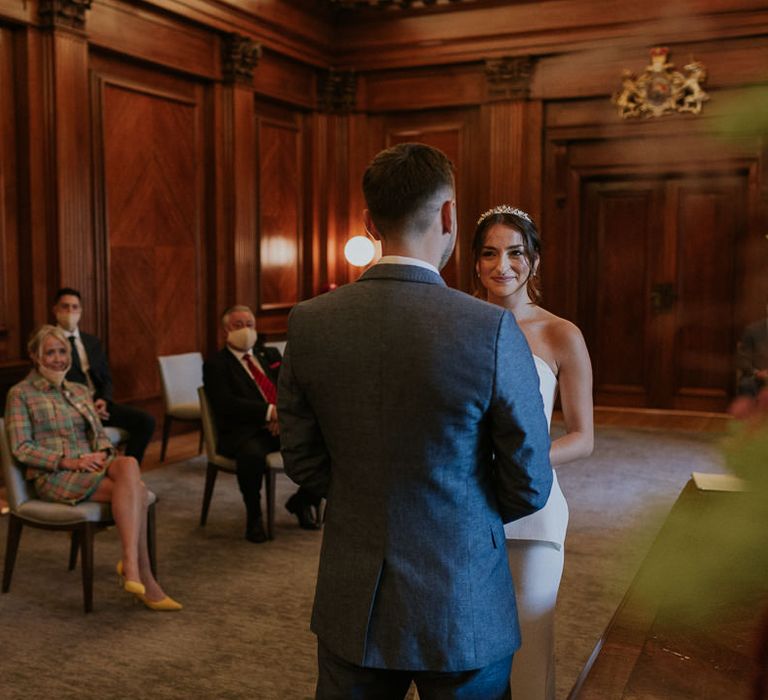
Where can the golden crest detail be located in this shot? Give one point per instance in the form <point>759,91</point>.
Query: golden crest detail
<point>660,90</point>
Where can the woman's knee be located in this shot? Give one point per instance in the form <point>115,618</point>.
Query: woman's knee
<point>125,469</point>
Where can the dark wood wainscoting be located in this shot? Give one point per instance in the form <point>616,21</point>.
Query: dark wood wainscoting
<point>279,158</point>
<point>453,132</point>
<point>150,211</point>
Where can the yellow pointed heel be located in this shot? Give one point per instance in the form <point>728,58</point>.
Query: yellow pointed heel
<point>134,587</point>
<point>163,605</point>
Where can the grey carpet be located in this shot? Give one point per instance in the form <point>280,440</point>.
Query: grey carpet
<point>244,630</point>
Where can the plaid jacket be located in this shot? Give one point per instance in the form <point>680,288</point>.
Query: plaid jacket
<point>41,431</point>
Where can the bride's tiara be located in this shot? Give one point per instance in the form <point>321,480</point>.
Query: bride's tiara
<point>505,209</point>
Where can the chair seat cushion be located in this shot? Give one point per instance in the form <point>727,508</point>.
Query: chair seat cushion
<point>224,463</point>
<point>48,513</point>
<point>186,411</point>
<point>117,436</point>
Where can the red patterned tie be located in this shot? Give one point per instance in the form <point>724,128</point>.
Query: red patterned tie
<point>265,383</point>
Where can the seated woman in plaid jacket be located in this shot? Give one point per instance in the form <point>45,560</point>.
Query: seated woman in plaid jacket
<point>54,430</point>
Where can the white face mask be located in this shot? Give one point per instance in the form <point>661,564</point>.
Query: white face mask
<point>68,320</point>
<point>242,339</point>
<point>54,376</point>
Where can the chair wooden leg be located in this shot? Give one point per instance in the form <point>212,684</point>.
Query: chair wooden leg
<point>86,559</point>
<point>74,545</point>
<point>166,433</point>
<point>210,482</point>
<point>151,548</point>
<point>200,442</point>
<point>15,525</point>
<point>271,479</point>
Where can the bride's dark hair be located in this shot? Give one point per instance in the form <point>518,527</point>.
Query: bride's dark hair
<point>531,246</point>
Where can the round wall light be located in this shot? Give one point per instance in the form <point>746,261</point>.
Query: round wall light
<point>359,251</point>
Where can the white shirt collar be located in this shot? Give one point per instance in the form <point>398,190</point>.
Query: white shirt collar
<point>70,334</point>
<point>239,354</point>
<point>405,260</point>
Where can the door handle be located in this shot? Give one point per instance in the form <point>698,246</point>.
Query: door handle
<point>663,297</point>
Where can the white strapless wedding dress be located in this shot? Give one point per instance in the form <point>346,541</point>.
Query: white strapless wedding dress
<point>550,523</point>
<point>535,551</point>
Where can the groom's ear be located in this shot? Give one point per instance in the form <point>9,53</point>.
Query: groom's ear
<point>370,227</point>
<point>448,215</point>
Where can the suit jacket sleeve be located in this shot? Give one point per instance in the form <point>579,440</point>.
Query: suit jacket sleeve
<point>522,470</point>
<point>99,367</point>
<point>227,404</point>
<point>305,456</point>
<point>21,434</point>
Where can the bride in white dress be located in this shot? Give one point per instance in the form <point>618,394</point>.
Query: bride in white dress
<point>506,250</point>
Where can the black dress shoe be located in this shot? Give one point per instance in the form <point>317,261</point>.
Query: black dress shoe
<point>255,533</point>
<point>303,511</point>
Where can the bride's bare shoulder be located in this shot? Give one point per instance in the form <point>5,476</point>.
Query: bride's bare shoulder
<point>558,330</point>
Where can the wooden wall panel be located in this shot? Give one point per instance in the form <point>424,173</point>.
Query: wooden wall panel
<point>152,171</point>
<point>282,79</point>
<point>710,231</point>
<point>68,91</point>
<point>11,346</point>
<point>280,214</point>
<point>555,27</point>
<point>617,256</point>
<point>151,37</point>
<point>452,132</point>
<point>424,88</point>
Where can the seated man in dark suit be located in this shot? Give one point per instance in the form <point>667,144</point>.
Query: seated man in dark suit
<point>241,385</point>
<point>752,358</point>
<point>90,367</point>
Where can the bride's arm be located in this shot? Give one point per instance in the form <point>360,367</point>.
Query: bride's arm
<point>575,382</point>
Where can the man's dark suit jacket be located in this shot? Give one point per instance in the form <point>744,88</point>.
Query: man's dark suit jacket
<point>752,355</point>
<point>416,409</point>
<point>99,368</point>
<point>238,406</point>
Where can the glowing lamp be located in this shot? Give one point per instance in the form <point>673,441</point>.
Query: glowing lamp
<point>359,251</point>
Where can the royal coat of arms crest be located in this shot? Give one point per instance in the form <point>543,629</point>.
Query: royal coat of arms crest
<point>660,89</point>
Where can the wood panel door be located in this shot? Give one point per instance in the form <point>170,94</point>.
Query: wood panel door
<point>660,266</point>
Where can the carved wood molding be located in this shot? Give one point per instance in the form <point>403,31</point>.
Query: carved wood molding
<point>509,78</point>
<point>239,57</point>
<point>64,13</point>
<point>391,4</point>
<point>337,91</point>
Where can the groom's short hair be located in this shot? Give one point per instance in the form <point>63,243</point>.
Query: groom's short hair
<point>400,181</point>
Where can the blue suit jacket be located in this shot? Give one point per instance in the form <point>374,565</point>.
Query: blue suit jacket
<point>416,409</point>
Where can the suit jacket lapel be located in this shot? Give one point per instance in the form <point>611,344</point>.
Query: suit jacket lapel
<point>240,374</point>
<point>266,365</point>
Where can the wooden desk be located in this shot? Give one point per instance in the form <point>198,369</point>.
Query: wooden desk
<point>647,653</point>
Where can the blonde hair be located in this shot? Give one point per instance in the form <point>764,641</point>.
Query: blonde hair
<point>35,344</point>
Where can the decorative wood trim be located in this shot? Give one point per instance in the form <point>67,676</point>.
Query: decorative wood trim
<point>239,57</point>
<point>68,156</point>
<point>69,14</point>
<point>337,91</point>
<point>509,78</point>
<point>245,214</point>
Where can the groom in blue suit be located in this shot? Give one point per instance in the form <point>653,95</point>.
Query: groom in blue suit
<point>415,409</point>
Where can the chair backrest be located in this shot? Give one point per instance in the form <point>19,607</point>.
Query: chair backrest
<point>210,434</point>
<point>17,489</point>
<point>279,344</point>
<point>181,375</point>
